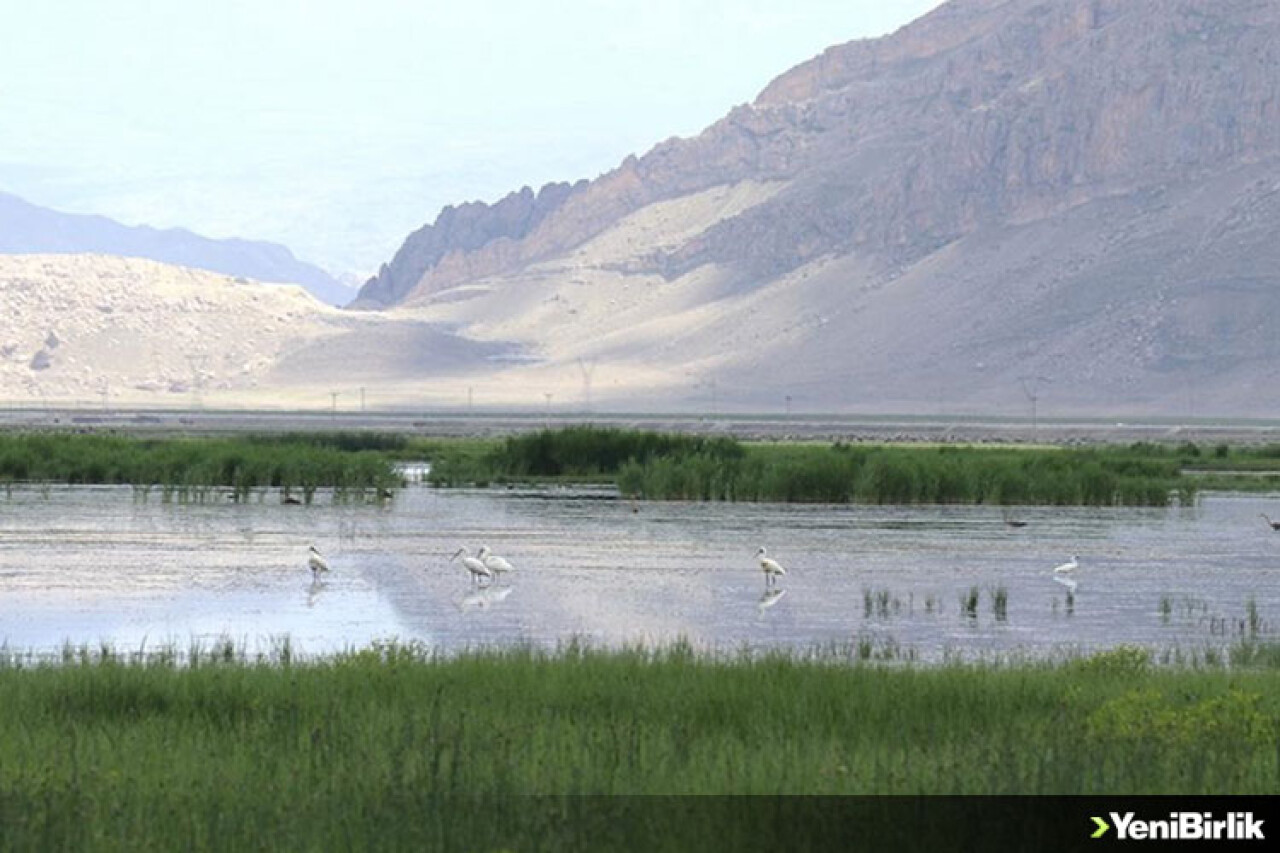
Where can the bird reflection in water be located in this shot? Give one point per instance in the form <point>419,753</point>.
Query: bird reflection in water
<point>484,597</point>
<point>313,591</point>
<point>1070,585</point>
<point>770,598</point>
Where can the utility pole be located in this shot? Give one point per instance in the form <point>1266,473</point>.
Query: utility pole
<point>198,363</point>
<point>361,398</point>
<point>546,418</point>
<point>587,367</point>
<point>469,390</point>
<point>1031,388</point>
<point>334,395</point>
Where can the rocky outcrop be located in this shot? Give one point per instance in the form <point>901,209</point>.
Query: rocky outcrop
<point>994,113</point>
<point>459,232</point>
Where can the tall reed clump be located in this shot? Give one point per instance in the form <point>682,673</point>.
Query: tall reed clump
<point>582,453</point>
<point>165,755</point>
<point>679,467</point>
<point>190,467</point>
<point>905,475</point>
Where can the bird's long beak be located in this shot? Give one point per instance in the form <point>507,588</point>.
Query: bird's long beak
<point>456,553</point>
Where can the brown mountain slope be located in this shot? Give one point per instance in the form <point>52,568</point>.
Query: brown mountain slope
<point>1084,190</point>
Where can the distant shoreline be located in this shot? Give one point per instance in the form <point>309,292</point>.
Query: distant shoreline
<point>910,429</point>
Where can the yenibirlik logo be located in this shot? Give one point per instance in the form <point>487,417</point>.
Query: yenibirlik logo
<point>1182,826</point>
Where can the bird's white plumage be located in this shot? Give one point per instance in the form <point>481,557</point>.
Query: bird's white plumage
<point>1070,566</point>
<point>495,564</point>
<point>317,562</point>
<point>772,568</point>
<point>477,568</point>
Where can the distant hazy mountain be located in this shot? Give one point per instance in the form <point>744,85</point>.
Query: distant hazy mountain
<point>26,228</point>
<point>1083,195</point>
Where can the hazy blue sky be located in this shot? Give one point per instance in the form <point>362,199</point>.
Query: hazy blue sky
<point>337,126</point>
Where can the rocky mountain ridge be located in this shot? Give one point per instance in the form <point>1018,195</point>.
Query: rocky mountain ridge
<point>981,111</point>
<point>897,164</point>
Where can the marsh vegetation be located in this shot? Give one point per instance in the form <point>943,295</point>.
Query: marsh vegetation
<point>666,467</point>
<point>198,468</point>
<point>223,747</point>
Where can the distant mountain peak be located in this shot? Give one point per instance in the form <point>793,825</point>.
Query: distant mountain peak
<point>26,228</point>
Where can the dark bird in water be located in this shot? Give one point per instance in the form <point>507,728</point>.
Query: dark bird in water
<point>1275,525</point>
<point>1014,522</point>
<point>290,501</point>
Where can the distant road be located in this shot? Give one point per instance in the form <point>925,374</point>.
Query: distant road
<point>747,426</point>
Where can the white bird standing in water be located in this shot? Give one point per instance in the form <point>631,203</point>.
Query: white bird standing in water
<point>771,568</point>
<point>1067,568</point>
<point>495,564</point>
<point>317,562</point>
<point>477,568</point>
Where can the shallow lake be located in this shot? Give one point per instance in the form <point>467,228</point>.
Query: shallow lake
<point>91,565</point>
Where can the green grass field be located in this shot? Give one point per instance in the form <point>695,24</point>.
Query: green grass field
<point>164,756</point>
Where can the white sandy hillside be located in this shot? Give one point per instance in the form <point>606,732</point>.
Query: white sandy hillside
<point>72,326</point>
<point>595,297</point>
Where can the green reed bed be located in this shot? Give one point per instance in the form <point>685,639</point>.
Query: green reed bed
<point>223,748</point>
<point>191,467</point>
<point>915,475</point>
<point>1225,468</point>
<point>666,467</point>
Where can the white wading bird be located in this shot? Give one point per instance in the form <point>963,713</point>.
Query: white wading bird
<point>476,567</point>
<point>1069,583</point>
<point>772,570</point>
<point>317,562</point>
<point>1067,568</point>
<point>495,564</point>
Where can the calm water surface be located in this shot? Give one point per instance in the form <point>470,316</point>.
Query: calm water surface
<point>96,564</point>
